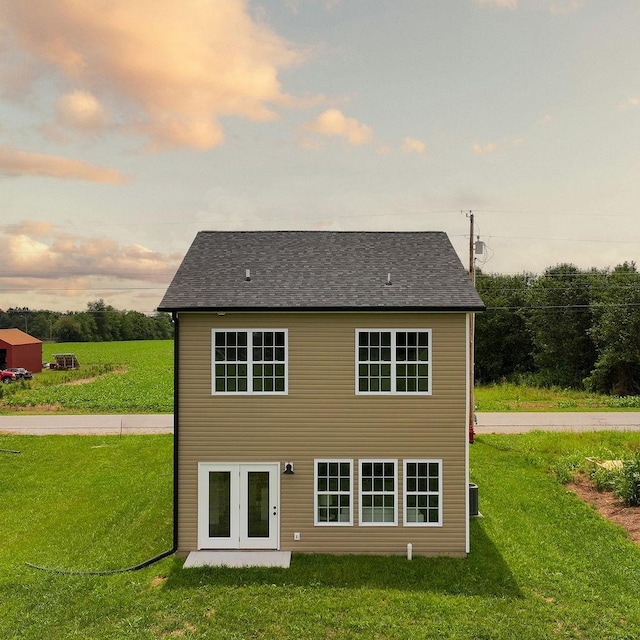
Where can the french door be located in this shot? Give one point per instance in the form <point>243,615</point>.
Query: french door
<point>238,505</point>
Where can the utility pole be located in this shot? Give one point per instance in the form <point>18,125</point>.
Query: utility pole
<point>472,271</point>
<point>471,327</point>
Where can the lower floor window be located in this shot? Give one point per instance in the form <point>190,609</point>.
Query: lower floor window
<point>333,492</point>
<point>378,494</point>
<point>423,492</point>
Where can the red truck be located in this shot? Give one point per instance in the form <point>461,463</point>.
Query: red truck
<point>7,376</point>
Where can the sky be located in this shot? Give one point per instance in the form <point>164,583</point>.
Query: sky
<point>127,127</point>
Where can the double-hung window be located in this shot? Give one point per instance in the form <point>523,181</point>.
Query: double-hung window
<point>333,492</point>
<point>393,361</point>
<point>423,492</point>
<point>378,501</point>
<point>249,361</point>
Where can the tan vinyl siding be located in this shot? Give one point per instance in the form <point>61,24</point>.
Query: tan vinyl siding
<point>322,417</point>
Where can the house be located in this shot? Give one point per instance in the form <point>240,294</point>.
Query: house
<point>19,349</point>
<point>321,392</point>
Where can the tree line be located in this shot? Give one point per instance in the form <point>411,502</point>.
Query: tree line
<point>99,323</point>
<point>567,327</point>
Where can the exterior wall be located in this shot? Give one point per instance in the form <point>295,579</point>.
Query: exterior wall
<point>322,417</point>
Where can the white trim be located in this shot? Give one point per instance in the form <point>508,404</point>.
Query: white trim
<point>249,362</point>
<point>204,539</point>
<point>238,516</point>
<point>383,493</point>
<point>440,492</point>
<point>393,363</point>
<point>345,523</point>
<point>469,382</point>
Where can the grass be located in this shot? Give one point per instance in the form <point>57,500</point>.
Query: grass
<point>543,565</point>
<point>507,396</point>
<point>114,377</point>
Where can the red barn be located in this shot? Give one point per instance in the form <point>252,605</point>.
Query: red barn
<point>19,349</point>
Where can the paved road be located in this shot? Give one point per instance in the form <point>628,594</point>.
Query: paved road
<point>87,425</point>
<point>163,423</point>
<point>560,421</point>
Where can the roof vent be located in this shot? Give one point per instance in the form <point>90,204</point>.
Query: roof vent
<point>389,283</point>
<point>247,275</point>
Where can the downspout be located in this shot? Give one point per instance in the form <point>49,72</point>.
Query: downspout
<point>176,422</point>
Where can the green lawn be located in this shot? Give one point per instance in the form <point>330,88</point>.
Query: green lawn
<point>517,397</point>
<point>543,565</point>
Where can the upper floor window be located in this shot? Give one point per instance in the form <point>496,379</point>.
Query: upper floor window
<point>393,361</point>
<point>249,361</point>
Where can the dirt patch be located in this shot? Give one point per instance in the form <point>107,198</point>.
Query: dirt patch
<point>35,409</point>
<point>609,506</point>
<point>79,381</point>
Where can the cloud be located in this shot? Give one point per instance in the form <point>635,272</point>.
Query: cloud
<point>35,249</point>
<point>489,147</point>
<point>47,268</point>
<point>333,122</point>
<point>171,71</point>
<point>81,110</point>
<point>493,147</point>
<point>14,162</point>
<point>630,103</point>
<point>412,145</point>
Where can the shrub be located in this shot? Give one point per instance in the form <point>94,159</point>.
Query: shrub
<point>565,468</point>
<point>604,479</point>
<point>627,481</point>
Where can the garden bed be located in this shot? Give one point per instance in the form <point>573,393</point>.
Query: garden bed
<point>608,505</point>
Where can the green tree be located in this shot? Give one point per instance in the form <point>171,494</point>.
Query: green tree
<point>559,320</point>
<point>503,345</point>
<point>76,327</point>
<point>616,332</point>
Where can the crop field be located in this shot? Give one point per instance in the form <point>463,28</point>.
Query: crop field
<point>137,377</point>
<point>113,377</point>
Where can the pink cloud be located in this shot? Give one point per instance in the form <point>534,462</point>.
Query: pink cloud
<point>333,122</point>
<point>172,70</point>
<point>411,145</point>
<point>38,250</point>
<point>14,162</point>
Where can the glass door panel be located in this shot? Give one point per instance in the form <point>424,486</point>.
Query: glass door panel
<point>219,504</point>
<point>258,504</point>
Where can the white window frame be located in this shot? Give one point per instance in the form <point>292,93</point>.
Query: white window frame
<point>426,492</point>
<point>374,493</point>
<point>317,493</point>
<point>393,362</point>
<point>249,362</point>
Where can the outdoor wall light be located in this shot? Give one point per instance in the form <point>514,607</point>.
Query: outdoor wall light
<point>288,468</point>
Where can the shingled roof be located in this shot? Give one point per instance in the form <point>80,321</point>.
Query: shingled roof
<point>321,270</point>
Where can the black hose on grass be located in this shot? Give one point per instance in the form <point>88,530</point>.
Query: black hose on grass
<point>135,567</point>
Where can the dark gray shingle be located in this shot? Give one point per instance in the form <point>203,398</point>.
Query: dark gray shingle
<point>321,270</point>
